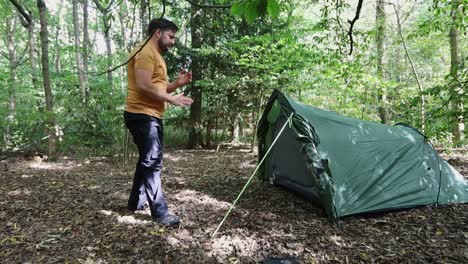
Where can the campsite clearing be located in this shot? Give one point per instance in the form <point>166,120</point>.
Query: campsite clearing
<point>75,210</point>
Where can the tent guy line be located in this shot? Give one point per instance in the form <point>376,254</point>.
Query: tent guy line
<point>251,176</point>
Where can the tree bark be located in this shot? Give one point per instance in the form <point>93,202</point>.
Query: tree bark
<point>143,18</point>
<point>32,56</point>
<point>195,137</point>
<point>123,29</point>
<point>380,35</point>
<point>108,51</point>
<point>123,33</point>
<point>10,28</point>
<point>236,129</point>
<point>106,21</point>
<point>50,126</point>
<point>86,43</point>
<point>458,127</point>
<point>57,58</point>
<point>78,55</point>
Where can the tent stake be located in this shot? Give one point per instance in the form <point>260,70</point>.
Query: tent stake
<point>251,177</point>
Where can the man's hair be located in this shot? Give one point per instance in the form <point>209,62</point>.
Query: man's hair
<point>162,24</point>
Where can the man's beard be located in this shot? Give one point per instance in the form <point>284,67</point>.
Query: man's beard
<point>163,46</point>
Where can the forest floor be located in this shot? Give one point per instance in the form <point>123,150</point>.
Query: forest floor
<point>75,211</point>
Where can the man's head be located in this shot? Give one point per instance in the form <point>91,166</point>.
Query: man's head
<point>164,32</point>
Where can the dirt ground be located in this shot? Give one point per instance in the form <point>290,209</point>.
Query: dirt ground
<point>75,211</point>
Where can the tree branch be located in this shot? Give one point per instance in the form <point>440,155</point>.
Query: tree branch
<point>164,8</point>
<point>22,11</point>
<point>209,6</point>
<point>4,55</point>
<point>350,32</point>
<point>101,8</point>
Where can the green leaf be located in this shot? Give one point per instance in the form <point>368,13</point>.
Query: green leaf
<point>238,8</point>
<point>251,11</point>
<point>273,8</point>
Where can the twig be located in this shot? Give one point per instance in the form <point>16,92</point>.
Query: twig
<point>209,6</point>
<point>164,8</point>
<point>351,26</point>
<point>22,11</point>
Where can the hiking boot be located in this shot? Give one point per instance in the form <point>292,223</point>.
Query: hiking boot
<point>168,219</point>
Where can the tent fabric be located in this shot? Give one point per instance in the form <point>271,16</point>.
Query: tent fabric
<point>350,166</point>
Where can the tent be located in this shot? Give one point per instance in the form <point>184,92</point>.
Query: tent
<point>350,166</point>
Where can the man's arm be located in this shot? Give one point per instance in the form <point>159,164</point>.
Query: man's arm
<point>172,86</point>
<point>146,86</point>
<point>183,78</point>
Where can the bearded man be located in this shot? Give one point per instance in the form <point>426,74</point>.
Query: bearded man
<point>149,90</point>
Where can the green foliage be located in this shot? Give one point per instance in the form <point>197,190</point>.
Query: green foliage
<point>251,9</point>
<point>299,47</point>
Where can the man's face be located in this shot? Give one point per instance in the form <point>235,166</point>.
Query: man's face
<point>166,39</point>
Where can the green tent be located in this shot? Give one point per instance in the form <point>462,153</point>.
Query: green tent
<point>350,166</point>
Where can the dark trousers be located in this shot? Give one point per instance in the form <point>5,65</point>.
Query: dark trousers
<point>147,132</point>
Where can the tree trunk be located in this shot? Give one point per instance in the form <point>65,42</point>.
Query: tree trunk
<point>123,32</point>
<point>32,56</point>
<point>50,127</point>
<point>380,35</point>
<point>57,58</point>
<point>108,50</point>
<point>78,55</point>
<point>458,127</point>
<point>236,129</point>
<point>143,18</point>
<point>209,133</point>
<point>123,29</point>
<point>10,29</point>
<point>86,44</point>
<point>196,92</point>
<point>106,21</point>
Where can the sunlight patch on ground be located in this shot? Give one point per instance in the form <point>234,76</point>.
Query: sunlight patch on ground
<point>190,196</point>
<point>248,164</point>
<point>182,238</point>
<point>68,165</point>
<point>19,192</point>
<point>178,180</point>
<point>337,240</point>
<point>125,219</point>
<point>170,157</point>
<point>225,246</point>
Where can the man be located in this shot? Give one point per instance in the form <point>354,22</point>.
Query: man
<point>148,93</point>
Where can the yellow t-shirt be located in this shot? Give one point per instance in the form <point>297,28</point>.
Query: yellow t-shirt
<point>148,59</point>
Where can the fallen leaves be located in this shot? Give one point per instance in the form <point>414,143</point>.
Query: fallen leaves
<point>75,211</point>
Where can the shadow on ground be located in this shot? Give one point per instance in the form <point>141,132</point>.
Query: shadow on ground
<point>74,210</point>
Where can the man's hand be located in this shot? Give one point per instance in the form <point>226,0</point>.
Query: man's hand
<point>181,100</point>
<point>183,78</point>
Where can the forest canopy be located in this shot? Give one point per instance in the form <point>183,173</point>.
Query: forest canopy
<point>385,61</point>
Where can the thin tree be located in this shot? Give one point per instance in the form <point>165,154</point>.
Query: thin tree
<point>78,55</point>
<point>106,20</point>
<point>50,118</point>
<point>195,137</point>
<point>12,58</point>
<point>380,36</point>
<point>86,43</point>
<point>455,65</point>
